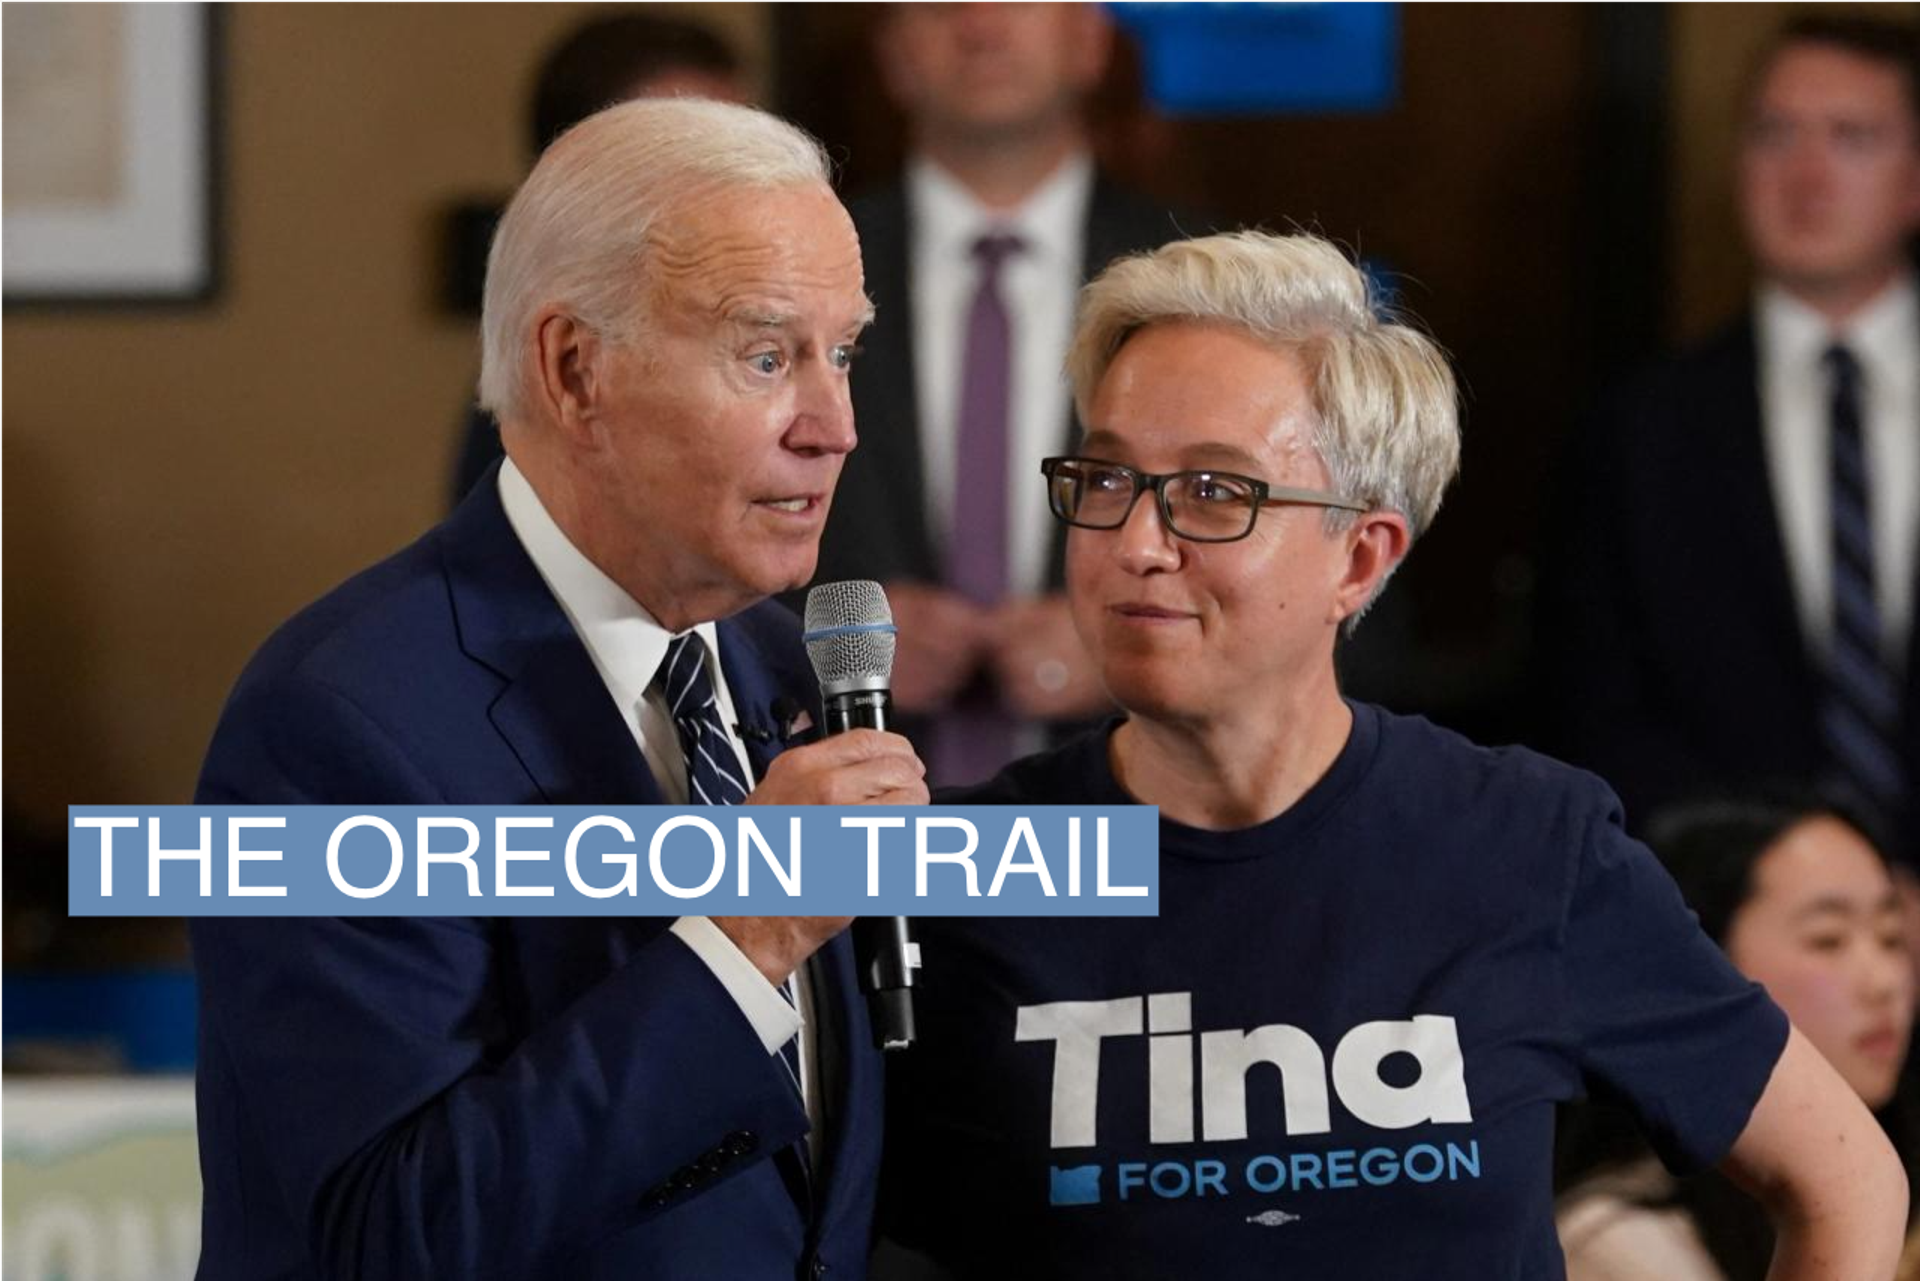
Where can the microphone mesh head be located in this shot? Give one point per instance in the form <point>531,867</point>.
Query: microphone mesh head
<point>850,636</point>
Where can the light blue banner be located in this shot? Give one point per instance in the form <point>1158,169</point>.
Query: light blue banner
<point>318,860</point>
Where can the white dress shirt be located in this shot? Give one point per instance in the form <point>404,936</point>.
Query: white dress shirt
<point>1795,394</point>
<point>627,647</point>
<point>1039,285</point>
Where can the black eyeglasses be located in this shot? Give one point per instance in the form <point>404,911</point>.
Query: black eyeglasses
<point>1202,506</point>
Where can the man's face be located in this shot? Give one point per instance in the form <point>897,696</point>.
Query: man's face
<point>720,431</point>
<point>1830,170</point>
<point>1186,631</point>
<point>982,71</point>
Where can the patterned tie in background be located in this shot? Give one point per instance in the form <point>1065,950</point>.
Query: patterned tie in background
<point>1859,713</point>
<point>713,767</point>
<point>970,743</point>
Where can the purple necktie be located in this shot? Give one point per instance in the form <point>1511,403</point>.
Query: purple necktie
<point>972,742</point>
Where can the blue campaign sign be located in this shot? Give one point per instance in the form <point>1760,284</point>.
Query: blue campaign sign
<point>1267,59</point>
<point>620,861</point>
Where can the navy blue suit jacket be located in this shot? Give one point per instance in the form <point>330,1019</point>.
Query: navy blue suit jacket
<point>480,1097</point>
<point>1673,642</point>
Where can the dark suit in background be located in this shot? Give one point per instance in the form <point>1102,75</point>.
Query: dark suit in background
<point>878,528</point>
<point>1685,653</point>
<point>1678,663</point>
<point>514,1098</point>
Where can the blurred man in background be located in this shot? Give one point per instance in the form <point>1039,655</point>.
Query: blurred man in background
<point>1734,599</point>
<point>612,58</point>
<point>973,259</point>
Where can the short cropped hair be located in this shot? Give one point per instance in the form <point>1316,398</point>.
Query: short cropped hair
<point>1388,425</point>
<point>1892,43</point>
<point>576,234</point>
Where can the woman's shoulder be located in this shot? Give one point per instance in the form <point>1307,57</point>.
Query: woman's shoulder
<point>1433,770</point>
<point>1407,737</point>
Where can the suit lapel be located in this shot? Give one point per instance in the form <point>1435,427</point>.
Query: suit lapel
<point>1912,704</point>
<point>1910,723</point>
<point>1910,714</point>
<point>853,1115</point>
<point>1733,476</point>
<point>563,725</point>
<point>886,383</point>
<point>1110,230</point>
<point>555,712</point>
<point>769,678</point>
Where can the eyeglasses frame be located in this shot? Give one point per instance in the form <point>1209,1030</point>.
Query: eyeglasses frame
<point>1264,495</point>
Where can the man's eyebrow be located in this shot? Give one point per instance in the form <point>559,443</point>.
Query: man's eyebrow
<point>756,316</point>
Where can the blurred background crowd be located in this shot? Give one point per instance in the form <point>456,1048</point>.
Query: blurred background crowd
<point>1670,253</point>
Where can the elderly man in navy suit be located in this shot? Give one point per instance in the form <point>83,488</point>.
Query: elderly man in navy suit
<point>672,302</point>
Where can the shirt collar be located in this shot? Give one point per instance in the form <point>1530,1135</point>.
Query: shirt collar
<point>626,643</point>
<point>948,219</point>
<point>1886,333</point>
<point>1883,334</point>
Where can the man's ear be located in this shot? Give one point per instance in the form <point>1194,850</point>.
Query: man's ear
<point>892,58</point>
<point>1913,200</point>
<point>571,382</point>
<point>1377,541</point>
<point>1091,47</point>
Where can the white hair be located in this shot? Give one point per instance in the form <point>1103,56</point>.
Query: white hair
<point>1388,426</point>
<point>576,233</point>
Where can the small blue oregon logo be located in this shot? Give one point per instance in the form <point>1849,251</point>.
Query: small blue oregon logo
<point>1075,1185</point>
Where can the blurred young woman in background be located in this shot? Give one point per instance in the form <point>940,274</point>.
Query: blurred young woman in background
<point>1803,903</point>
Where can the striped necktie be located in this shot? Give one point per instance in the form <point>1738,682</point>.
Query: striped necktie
<point>714,775</point>
<point>713,767</point>
<point>1859,713</point>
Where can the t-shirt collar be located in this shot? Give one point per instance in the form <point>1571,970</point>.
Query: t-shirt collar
<point>1293,824</point>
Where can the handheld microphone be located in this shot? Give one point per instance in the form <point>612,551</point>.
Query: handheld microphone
<point>850,642</point>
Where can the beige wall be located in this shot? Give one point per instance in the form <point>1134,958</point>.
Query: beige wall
<point>178,481</point>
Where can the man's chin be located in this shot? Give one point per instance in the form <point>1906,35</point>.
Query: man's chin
<point>1817,270</point>
<point>787,572</point>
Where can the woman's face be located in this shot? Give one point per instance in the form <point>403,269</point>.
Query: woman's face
<point>1188,631</point>
<point>1822,932</point>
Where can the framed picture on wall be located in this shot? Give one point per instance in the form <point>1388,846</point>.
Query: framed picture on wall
<point>110,191</point>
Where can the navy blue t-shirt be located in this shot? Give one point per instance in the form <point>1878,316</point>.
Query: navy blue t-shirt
<point>1336,1052</point>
